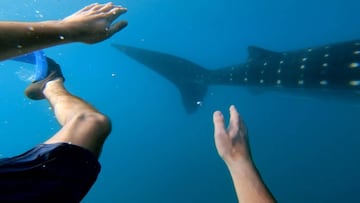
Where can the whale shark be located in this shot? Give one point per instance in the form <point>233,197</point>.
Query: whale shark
<point>333,69</point>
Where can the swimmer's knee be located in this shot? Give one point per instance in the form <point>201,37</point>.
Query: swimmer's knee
<point>86,129</point>
<point>99,123</point>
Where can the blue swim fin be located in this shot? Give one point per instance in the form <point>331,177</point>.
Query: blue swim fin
<point>37,58</point>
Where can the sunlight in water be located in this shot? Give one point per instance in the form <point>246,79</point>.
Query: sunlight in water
<point>25,74</point>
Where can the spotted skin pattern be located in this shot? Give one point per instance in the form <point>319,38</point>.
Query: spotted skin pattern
<point>330,68</point>
<point>335,66</point>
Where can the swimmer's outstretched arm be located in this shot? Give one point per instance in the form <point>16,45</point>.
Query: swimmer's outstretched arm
<point>93,23</point>
<point>232,146</point>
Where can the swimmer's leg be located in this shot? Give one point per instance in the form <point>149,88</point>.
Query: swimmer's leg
<point>82,124</point>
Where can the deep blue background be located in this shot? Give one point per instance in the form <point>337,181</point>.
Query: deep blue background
<point>306,149</point>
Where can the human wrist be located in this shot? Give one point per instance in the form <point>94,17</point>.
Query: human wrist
<point>236,157</point>
<point>239,162</point>
<point>65,31</point>
<point>243,169</point>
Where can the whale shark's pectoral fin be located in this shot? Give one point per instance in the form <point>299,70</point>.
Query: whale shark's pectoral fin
<point>186,75</point>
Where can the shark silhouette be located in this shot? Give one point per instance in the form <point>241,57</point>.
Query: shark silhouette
<point>329,68</point>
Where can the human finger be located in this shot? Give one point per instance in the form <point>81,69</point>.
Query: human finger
<point>234,120</point>
<point>83,10</point>
<point>219,123</point>
<point>115,13</point>
<point>89,7</point>
<point>106,7</point>
<point>116,27</point>
<point>97,6</point>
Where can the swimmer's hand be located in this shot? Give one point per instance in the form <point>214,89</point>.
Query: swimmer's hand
<point>94,23</point>
<point>233,147</point>
<point>231,142</point>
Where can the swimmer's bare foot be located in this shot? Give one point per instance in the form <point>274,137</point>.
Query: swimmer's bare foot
<point>94,23</point>
<point>35,90</point>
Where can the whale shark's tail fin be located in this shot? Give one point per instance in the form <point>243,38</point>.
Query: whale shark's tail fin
<point>190,78</point>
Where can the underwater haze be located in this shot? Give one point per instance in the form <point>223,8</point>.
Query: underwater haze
<point>307,149</point>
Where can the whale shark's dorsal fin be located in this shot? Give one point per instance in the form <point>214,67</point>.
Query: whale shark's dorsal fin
<point>332,69</point>
<point>258,53</point>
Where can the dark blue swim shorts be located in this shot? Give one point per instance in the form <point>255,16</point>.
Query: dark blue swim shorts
<point>48,173</point>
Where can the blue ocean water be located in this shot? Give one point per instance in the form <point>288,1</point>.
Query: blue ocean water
<point>306,149</point>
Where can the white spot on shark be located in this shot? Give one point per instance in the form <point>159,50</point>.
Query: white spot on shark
<point>354,83</point>
<point>354,65</point>
<point>323,82</point>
